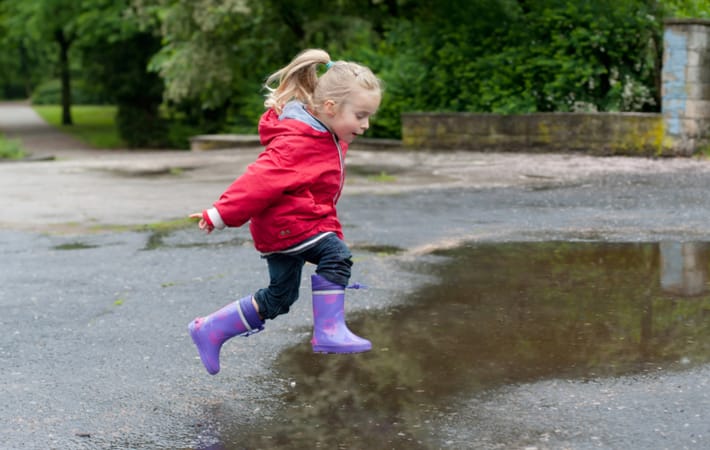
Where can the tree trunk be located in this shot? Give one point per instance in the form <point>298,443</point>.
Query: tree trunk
<point>64,44</point>
<point>25,71</point>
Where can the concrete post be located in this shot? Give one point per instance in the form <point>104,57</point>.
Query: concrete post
<point>686,84</point>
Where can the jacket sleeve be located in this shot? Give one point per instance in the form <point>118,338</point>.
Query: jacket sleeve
<point>263,182</point>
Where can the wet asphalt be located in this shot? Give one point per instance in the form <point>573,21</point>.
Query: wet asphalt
<point>95,352</point>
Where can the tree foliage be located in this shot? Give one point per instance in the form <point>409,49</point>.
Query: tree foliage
<point>462,55</point>
<point>203,61</point>
<point>115,50</point>
<point>687,8</point>
<point>48,21</point>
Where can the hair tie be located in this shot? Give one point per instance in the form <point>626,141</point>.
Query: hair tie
<point>329,64</point>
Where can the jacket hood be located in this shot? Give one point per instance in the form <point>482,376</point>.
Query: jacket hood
<point>294,120</point>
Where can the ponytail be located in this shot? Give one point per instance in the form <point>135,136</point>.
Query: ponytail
<point>297,80</point>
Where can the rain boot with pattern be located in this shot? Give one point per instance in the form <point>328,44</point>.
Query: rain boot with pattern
<point>238,318</point>
<point>330,334</point>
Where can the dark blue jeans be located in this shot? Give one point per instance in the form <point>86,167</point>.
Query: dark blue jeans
<point>333,261</point>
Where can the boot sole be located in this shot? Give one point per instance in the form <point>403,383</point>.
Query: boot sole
<point>338,349</point>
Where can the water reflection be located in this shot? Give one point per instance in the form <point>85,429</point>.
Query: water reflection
<point>684,267</point>
<point>501,314</point>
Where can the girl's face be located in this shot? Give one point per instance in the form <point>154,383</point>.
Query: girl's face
<point>351,118</point>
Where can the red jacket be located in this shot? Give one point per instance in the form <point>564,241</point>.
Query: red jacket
<point>289,193</point>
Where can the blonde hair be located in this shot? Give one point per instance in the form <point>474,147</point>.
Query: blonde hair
<point>299,80</point>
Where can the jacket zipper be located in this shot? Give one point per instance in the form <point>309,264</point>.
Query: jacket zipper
<point>342,169</point>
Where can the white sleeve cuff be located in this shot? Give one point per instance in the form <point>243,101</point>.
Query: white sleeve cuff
<point>216,219</point>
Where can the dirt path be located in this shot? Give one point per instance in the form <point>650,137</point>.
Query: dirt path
<point>40,139</point>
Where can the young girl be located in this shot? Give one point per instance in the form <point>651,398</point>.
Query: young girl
<point>289,194</point>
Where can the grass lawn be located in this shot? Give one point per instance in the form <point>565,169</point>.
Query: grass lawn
<point>94,125</point>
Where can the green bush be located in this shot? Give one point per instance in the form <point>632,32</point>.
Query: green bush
<point>520,57</point>
<point>50,93</point>
<point>179,134</point>
<point>141,127</point>
<point>13,91</point>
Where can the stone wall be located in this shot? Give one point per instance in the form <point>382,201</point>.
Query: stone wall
<point>593,133</point>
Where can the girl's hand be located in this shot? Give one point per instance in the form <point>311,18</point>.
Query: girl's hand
<point>203,223</point>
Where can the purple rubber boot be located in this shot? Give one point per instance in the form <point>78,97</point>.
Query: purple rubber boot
<point>330,334</point>
<point>239,318</point>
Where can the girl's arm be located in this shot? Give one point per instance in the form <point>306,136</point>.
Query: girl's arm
<point>264,181</point>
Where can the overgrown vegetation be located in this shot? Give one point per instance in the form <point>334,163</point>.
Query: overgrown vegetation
<point>174,68</point>
<point>11,149</point>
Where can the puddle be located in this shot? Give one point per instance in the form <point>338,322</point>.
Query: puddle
<point>380,250</point>
<point>149,172</point>
<point>501,314</point>
<point>74,246</point>
<point>163,238</point>
<point>376,173</point>
<point>365,170</point>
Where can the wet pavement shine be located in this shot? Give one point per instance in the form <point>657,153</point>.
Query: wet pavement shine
<point>514,302</point>
<point>536,334</point>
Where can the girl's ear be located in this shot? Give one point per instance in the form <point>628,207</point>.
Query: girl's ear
<point>330,107</point>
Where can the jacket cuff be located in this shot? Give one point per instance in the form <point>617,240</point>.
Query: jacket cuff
<point>214,218</point>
